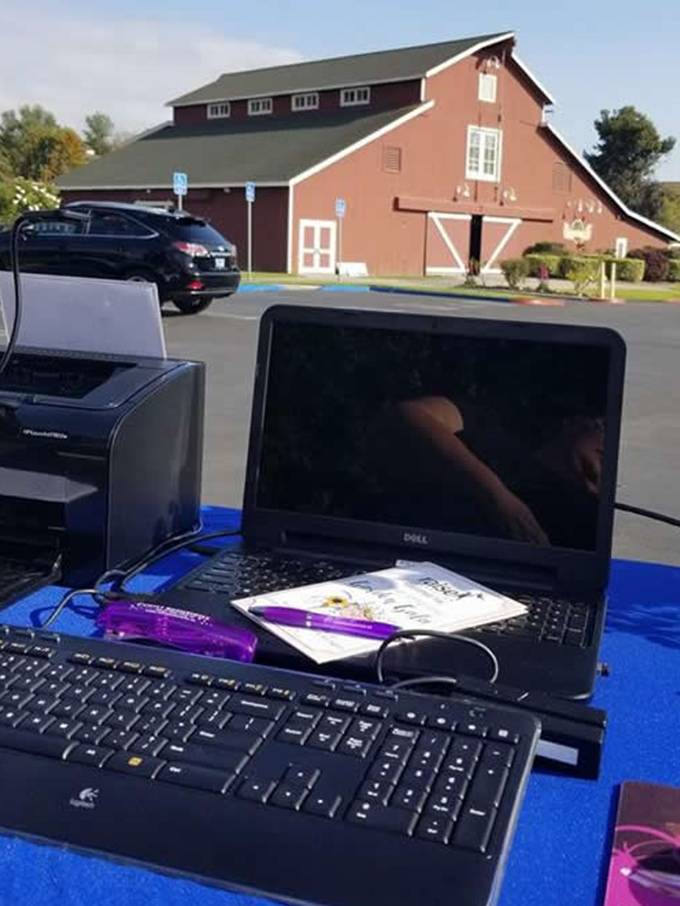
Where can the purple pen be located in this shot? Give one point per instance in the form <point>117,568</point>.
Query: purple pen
<point>308,619</point>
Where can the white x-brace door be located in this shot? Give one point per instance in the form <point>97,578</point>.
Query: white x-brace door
<point>490,265</point>
<point>456,245</point>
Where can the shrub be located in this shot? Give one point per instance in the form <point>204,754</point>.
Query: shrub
<point>674,270</point>
<point>546,248</point>
<point>536,261</point>
<point>515,270</point>
<point>656,263</point>
<point>580,270</point>
<point>632,270</point>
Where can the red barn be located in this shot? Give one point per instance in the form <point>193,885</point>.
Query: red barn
<point>441,154</point>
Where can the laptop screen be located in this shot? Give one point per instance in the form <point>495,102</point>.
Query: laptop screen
<point>500,438</point>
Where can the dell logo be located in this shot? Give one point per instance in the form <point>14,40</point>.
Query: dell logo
<point>413,538</point>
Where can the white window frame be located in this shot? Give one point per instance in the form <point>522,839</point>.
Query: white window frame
<point>260,106</point>
<point>307,101</point>
<point>487,80</point>
<point>355,97</point>
<point>480,174</point>
<point>220,110</point>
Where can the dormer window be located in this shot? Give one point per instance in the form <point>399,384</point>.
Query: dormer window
<point>307,101</point>
<point>260,106</point>
<point>354,97</point>
<point>219,111</point>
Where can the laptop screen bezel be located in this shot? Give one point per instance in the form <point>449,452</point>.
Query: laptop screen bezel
<point>567,567</point>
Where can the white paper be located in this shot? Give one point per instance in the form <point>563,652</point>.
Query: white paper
<point>117,317</point>
<point>408,595</point>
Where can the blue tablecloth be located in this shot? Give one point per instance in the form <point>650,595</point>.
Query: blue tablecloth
<point>561,849</point>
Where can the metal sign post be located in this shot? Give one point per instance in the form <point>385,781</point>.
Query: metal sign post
<point>340,211</point>
<point>250,198</point>
<point>180,186</point>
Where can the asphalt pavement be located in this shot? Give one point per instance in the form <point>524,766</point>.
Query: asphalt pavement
<point>225,338</point>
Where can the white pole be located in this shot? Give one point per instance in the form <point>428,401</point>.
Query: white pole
<point>339,258</point>
<point>250,239</point>
<point>179,202</point>
<point>612,284</point>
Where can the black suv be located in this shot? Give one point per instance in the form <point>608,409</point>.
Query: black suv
<point>187,259</point>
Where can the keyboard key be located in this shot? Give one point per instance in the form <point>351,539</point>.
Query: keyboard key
<point>255,789</point>
<point>127,763</point>
<point>280,693</point>
<point>34,743</point>
<point>120,739</point>
<point>487,785</point>
<point>65,728</point>
<point>258,726</point>
<point>345,704</point>
<point>474,828</point>
<point>409,797</point>
<point>357,746</point>
<point>368,729</point>
<point>411,717</point>
<point>436,828</point>
<point>256,707</point>
<point>376,791</point>
<point>472,728</point>
<point>288,796</point>
<point>146,745</point>
<point>396,820</point>
<point>37,723</point>
<point>195,777</point>
<point>323,805</point>
<point>324,740</point>
<point>226,739</point>
<point>300,775</point>
<point>316,699</point>
<point>94,756</point>
<point>207,756</point>
<point>373,709</point>
<point>91,734</point>
<point>503,734</point>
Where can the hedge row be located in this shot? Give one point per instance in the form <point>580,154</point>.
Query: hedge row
<point>628,269</point>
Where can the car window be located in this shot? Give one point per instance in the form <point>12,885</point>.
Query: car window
<point>190,229</point>
<point>57,228</point>
<point>107,224</point>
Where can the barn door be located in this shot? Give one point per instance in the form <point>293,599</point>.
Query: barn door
<point>448,243</point>
<point>496,235</point>
<point>316,247</point>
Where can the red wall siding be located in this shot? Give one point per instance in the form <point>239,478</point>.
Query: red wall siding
<point>227,213</point>
<point>391,240</point>
<point>383,97</point>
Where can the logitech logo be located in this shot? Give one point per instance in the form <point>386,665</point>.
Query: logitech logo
<point>86,798</point>
<point>413,538</point>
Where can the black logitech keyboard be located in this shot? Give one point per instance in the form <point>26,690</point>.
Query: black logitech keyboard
<point>296,787</point>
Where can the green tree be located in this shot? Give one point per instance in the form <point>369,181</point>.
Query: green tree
<point>628,149</point>
<point>15,128</point>
<point>98,135</point>
<point>670,208</point>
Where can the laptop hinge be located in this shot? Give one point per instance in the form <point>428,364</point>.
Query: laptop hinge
<point>483,570</point>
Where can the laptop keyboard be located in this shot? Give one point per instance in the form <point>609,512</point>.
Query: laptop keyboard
<point>557,621</point>
<point>254,744</point>
<point>236,574</point>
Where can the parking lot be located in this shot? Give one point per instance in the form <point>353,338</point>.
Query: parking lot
<point>225,338</point>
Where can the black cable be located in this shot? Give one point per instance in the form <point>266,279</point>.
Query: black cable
<point>434,634</point>
<point>121,576</point>
<point>17,227</point>
<point>647,514</point>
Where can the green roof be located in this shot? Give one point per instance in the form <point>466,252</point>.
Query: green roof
<point>223,153</point>
<point>359,69</point>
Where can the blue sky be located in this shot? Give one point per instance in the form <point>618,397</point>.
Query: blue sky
<point>128,57</point>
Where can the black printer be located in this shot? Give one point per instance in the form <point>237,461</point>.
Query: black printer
<point>100,461</point>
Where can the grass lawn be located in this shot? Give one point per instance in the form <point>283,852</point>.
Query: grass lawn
<point>631,292</point>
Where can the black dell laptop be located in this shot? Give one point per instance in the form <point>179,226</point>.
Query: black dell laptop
<point>488,447</point>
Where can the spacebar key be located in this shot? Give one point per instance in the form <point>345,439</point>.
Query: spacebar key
<point>35,743</point>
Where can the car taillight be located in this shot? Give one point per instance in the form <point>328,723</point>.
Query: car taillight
<point>192,249</point>
<point>195,284</point>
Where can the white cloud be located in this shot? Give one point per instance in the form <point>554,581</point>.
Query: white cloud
<point>74,64</point>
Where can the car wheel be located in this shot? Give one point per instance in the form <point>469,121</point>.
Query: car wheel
<point>192,306</point>
<point>143,277</point>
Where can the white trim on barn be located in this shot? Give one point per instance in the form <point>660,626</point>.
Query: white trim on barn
<point>489,42</point>
<point>366,140</point>
<point>168,186</point>
<point>513,223</point>
<point>532,78</point>
<point>289,232</point>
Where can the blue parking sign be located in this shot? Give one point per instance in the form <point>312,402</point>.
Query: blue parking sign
<point>250,192</point>
<point>340,207</point>
<point>180,183</point>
